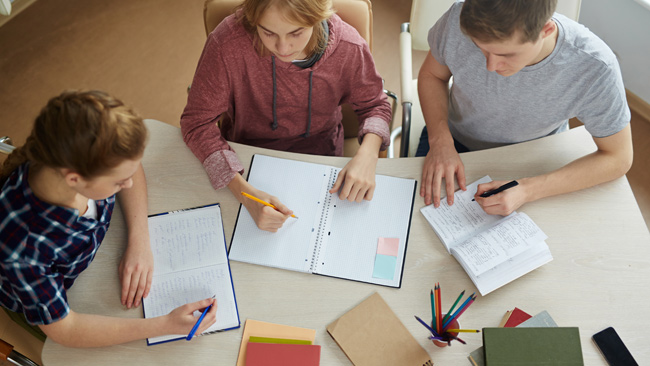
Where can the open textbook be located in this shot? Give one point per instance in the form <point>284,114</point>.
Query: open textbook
<point>492,249</point>
<point>362,241</point>
<point>190,264</point>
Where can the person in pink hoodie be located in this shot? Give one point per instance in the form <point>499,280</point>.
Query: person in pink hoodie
<point>274,75</point>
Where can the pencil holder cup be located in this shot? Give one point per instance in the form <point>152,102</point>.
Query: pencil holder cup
<point>447,336</point>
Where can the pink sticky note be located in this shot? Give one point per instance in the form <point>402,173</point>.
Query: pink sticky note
<point>388,246</point>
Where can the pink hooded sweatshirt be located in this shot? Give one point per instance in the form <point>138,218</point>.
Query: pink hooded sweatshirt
<point>277,105</point>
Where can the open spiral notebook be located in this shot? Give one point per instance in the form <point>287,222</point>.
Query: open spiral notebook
<point>331,237</point>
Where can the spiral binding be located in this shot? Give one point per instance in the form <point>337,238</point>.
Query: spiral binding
<point>322,222</point>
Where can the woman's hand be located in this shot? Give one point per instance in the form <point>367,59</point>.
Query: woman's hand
<point>181,320</point>
<point>266,218</point>
<point>136,272</point>
<point>357,178</point>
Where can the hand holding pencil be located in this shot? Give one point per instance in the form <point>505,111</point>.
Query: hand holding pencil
<point>267,211</point>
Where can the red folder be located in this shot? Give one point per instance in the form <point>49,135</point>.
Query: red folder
<point>275,354</point>
<point>517,316</point>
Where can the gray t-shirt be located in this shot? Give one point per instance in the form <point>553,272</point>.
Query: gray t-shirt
<point>580,78</point>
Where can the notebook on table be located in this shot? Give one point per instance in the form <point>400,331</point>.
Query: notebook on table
<point>532,346</point>
<point>492,249</point>
<point>190,264</point>
<point>370,334</point>
<point>363,241</point>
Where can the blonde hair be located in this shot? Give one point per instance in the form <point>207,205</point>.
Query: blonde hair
<point>307,13</point>
<point>498,20</point>
<point>88,132</point>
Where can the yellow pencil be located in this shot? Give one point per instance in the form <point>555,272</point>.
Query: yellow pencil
<point>262,202</point>
<point>463,330</point>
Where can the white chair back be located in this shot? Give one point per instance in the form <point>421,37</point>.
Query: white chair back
<point>424,14</point>
<point>569,8</point>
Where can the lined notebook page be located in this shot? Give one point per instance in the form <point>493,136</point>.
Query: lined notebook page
<point>175,289</point>
<point>188,240</point>
<point>300,186</point>
<point>351,245</point>
<point>190,264</point>
<point>499,243</point>
<point>465,218</point>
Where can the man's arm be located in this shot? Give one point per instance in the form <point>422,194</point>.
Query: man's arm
<point>612,160</point>
<point>136,266</point>
<point>442,160</point>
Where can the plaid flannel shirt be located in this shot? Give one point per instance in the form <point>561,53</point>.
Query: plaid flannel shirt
<point>43,248</point>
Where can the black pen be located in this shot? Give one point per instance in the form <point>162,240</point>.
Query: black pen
<point>498,190</point>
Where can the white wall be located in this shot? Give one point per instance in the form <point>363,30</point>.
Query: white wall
<point>625,26</point>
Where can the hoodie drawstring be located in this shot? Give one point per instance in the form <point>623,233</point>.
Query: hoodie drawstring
<point>306,134</point>
<point>274,124</point>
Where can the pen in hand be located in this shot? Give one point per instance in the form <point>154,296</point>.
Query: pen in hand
<point>262,202</point>
<point>498,190</point>
<point>198,322</point>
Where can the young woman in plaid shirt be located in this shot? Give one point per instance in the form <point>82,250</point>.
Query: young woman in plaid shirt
<point>57,198</point>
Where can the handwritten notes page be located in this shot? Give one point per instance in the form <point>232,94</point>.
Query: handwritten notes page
<point>464,219</point>
<point>496,245</point>
<point>190,264</point>
<point>493,249</point>
<point>331,236</point>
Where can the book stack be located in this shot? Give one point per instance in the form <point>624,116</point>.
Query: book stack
<point>522,339</point>
<point>271,344</point>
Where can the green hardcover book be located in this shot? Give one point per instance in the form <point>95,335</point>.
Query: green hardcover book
<point>254,339</point>
<point>532,346</point>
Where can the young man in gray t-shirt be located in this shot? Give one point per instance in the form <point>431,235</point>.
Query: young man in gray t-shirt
<point>520,72</point>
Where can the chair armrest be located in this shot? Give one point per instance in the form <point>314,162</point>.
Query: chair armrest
<point>393,104</point>
<point>406,63</point>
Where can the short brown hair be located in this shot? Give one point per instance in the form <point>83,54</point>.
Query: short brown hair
<point>498,20</point>
<point>89,132</point>
<point>307,13</point>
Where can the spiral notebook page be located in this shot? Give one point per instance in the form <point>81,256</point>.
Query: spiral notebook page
<point>350,248</point>
<point>331,237</point>
<point>300,186</point>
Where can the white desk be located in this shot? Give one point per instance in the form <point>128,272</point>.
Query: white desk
<point>599,277</point>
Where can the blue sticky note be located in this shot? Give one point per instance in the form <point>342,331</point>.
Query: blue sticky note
<point>384,266</point>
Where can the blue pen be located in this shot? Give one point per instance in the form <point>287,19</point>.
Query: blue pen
<point>198,322</point>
